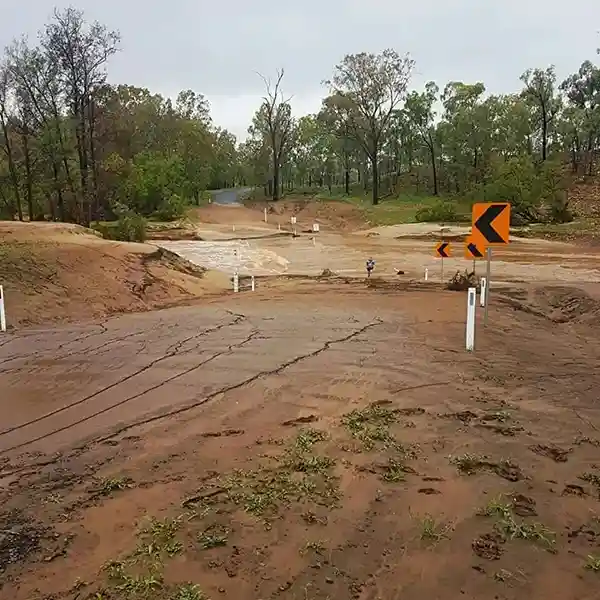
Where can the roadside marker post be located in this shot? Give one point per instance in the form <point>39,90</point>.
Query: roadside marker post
<point>443,250</point>
<point>426,274</point>
<point>252,283</point>
<point>2,311</point>
<point>482,293</point>
<point>265,214</point>
<point>470,329</point>
<point>236,282</point>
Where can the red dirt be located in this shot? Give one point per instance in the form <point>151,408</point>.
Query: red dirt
<point>336,215</point>
<point>390,515</point>
<point>57,271</point>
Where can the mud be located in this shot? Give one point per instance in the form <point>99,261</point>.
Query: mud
<point>300,442</point>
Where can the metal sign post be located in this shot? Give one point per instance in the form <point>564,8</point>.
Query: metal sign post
<point>488,269</point>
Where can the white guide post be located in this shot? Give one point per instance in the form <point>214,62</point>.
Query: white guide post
<point>470,329</point>
<point>483,292</point>
<point>2,311</point>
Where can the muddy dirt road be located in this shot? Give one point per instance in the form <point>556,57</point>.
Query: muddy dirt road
<point>309,441</point>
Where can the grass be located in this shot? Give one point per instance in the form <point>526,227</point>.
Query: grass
<point>431,530</point>
<point>394,471</point>
<point>139,575</point>
<point>391,210</point>
<point>317,546</point>
<point>300,475</point>
<point>510,528</point>
<point>593,563</point>
<point>403,208</point>
<point>577,229</point>
<point>214,536</point>
<point>157,539</point>
<point>468,464</point>
<point>370,426</point>
<point>114,484</point>
<point>136,585</point>
<point>591,478</point>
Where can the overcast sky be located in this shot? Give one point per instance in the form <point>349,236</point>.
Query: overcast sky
<point>217,46</point>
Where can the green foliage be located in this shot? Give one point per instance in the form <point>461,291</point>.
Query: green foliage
<point>127,228</point>
<point>171,208</point>
<point>442,212</point>
<point>373,137</point>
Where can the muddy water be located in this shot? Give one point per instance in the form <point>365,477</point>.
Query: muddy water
<point>346,255</point>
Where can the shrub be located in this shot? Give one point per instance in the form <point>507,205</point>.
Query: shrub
<point>442,211</point>
<point>171,208</point>
<point>128,228</point>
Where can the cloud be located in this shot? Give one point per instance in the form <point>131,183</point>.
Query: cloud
<point>216,48</point>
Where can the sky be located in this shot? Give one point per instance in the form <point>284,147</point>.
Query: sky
<point>219,48</point>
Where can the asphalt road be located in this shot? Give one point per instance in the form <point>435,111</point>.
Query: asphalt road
<point>229,196</point>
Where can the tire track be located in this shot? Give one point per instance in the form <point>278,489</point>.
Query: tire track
<point>126,400</point>
<point>235,386</point>
<point>170,352</point>
<point>40,353</point>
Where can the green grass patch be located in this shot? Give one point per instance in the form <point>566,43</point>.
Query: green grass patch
<point>580,229</point>
<point>511,528</point>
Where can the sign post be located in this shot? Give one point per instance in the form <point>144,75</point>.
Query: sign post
<point>470,330</point>
<point>2,311</point>
<point>488,269</point>
<point>442,250</point>
<point>490,227</point>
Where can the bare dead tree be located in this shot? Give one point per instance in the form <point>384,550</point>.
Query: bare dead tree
<point>276,122</point>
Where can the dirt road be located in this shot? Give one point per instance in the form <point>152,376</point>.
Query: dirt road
<point>312,440</point>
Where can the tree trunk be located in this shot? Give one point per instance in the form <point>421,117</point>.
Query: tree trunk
<point>60,199</point>
<point>544,135</point>
<point>11,167</point>
<point>375,175</point>
<point>433,167</point>
<point>347,181</point>
<point>28,181</point>
<point>93,162</point>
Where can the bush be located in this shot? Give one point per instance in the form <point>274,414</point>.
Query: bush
<point>171,208</point>
<point>128,228</point>
<point>442,211</point>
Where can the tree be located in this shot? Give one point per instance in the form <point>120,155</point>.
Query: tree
<point>582,118</point>
<point>81,52</point>
<point>364,91</point>
<point>275,123</point>
<point>540,93</point>
<point>419,111</point>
